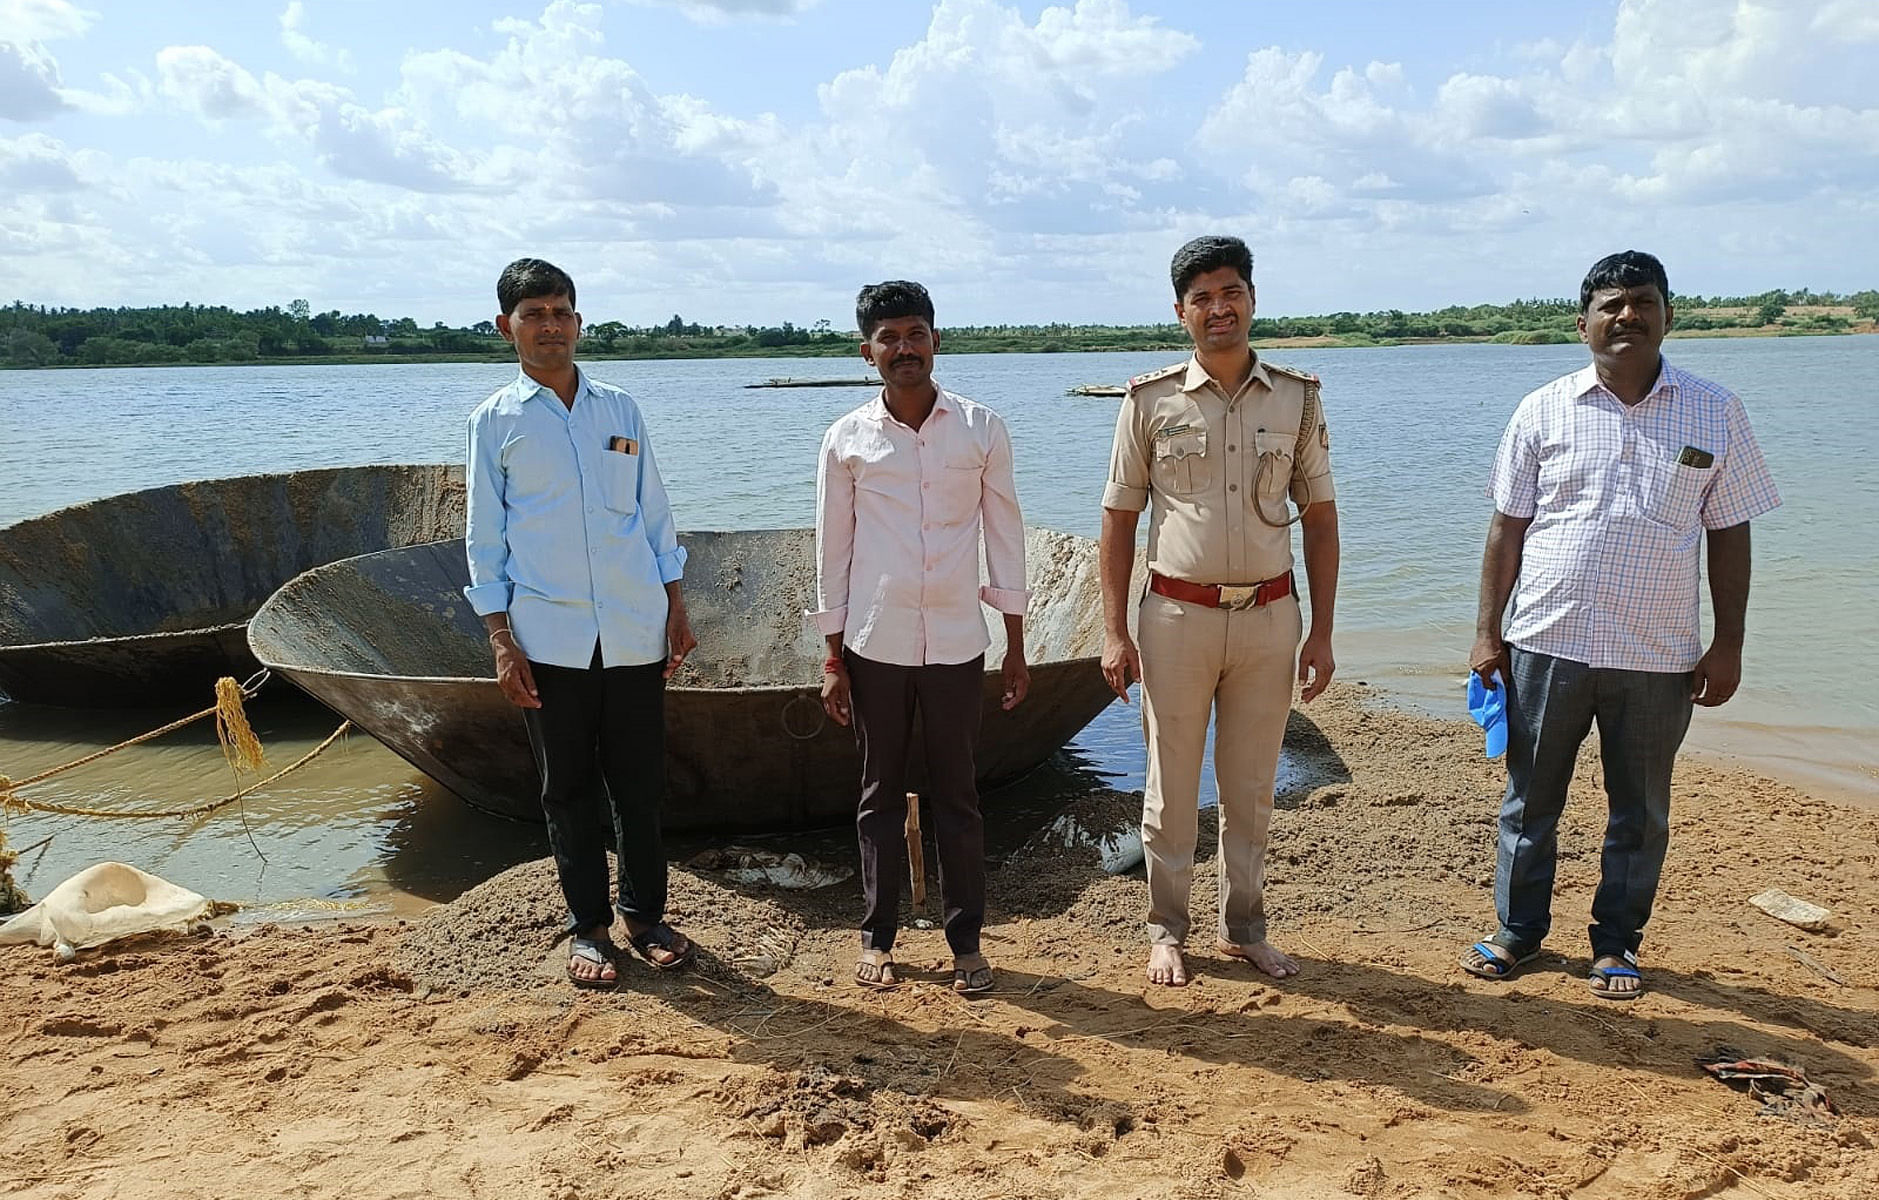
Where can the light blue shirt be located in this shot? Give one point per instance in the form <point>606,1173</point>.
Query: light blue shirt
<point>573,540</point>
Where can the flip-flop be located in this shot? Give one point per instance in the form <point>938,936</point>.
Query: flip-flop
<point>882,964</point>
<point>1493,965</point>
<point>598,951</point>
<point>1600,983</point>
<point>663,937</point>
<point>972,981</point>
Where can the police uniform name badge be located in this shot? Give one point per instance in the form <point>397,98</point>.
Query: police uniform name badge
<point>1169,431</point>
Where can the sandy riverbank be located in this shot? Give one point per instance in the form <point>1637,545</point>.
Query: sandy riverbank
<point>445,1056</point>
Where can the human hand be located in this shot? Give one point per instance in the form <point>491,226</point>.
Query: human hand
<point>1121,663</point>
<point>1315,666</point>
<point>835,697</point>
<point>1017,679</point>
<point>678,639</point>
<point>513,675</point>
<point>1488,656</point>
<point>1718,673</point>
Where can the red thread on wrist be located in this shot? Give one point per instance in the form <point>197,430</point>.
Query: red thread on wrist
<point>832,664</point>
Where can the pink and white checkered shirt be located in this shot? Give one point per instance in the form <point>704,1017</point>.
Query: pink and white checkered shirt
<point>1609,571</point>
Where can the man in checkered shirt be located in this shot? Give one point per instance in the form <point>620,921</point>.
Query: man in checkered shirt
<point>1606,482</point>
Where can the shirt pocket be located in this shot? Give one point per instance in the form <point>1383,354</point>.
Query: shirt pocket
<point>961,486</point>
<point>1274,455</point>
<point>1673,493</point>
<point>619,481</point>
<point>1181,465</point>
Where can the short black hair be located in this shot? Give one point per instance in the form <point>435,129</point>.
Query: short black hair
<point>529,279</point>
<point>1209,253</point>
<point>1625,269</point>
<point>877,302</point>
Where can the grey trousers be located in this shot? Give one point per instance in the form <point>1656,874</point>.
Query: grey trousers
<point>1551,706</point>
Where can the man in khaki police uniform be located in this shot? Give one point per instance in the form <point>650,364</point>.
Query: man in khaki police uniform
<point>1217,444</point>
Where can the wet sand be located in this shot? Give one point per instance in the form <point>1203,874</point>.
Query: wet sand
<point>447,1055</point>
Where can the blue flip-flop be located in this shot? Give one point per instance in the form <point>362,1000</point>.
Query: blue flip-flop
<point>1493,965</point>
<point>1600,983</point>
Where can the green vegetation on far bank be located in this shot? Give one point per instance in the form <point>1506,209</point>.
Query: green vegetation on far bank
<point>38,336</point>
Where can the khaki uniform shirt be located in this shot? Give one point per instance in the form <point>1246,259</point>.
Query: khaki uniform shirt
<point>1213,463</point>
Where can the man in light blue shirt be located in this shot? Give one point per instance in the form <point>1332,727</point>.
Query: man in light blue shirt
<point>575,568</point>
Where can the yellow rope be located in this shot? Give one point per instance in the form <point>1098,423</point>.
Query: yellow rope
<point>240,746</point>
<point>17,804</point>
<point>7,786</point>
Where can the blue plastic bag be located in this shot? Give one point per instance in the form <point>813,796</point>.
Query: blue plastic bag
<point>1488,706</point>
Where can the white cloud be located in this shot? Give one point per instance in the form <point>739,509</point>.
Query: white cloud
<point>29,82</point>
<point>716,12</point>
<point>43,20</point>
<point>386,145</point>
<point>202,81</point>
<point>1482,106</point>
<point>1687,104</point>
<point>1847,20</point>
<point>301,45</point>
<point>30,87</point>
<point>37,163</point>
<point>610,136</point>
<point>1041,160</point>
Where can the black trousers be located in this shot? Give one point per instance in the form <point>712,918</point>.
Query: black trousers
<point>601,732</point>
<point>947,696</point>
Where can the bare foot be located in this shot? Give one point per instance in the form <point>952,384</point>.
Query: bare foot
<point>1265,956</point>
<point>1166,966</point>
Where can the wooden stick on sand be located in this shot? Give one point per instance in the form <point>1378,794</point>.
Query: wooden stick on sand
<point>916,853</point>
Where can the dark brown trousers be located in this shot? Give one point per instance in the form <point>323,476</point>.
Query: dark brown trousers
<point>947,697</point>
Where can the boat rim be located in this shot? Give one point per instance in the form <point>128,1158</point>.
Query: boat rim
<point>122,638</point>
<point>779,688</point>
<point>714,691</point>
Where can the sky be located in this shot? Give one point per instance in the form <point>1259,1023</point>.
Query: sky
<point>755,161</point>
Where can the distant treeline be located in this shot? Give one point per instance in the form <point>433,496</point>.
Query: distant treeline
<point>39,336</point>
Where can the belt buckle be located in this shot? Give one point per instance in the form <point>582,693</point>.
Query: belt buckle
<point>1237,596</point>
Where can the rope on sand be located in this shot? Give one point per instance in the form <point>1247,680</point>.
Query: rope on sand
<point>239,744</point>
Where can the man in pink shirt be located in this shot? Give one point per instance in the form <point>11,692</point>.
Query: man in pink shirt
<point>904,487</point>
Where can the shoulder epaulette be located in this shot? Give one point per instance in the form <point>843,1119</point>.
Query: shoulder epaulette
<point>1305,377</point>
<point>1293,372</point>
<point>1152,376</point>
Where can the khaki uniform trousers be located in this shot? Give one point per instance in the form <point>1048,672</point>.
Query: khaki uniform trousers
<point>1239,666</point>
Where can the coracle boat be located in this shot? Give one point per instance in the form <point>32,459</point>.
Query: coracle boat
<point>388,640</point>
<point>144,598</point>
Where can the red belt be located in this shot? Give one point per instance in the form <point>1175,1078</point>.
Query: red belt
<point>1251,595</point>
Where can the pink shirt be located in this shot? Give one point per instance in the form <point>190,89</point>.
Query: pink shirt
<point>898,517</point>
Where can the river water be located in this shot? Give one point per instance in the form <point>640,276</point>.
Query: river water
<point>1413,430</point>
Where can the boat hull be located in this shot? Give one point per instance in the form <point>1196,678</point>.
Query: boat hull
<point>143,599</point>
<point>739,758</point>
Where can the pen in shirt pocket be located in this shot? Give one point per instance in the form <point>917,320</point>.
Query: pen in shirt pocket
<point>625,445</point>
